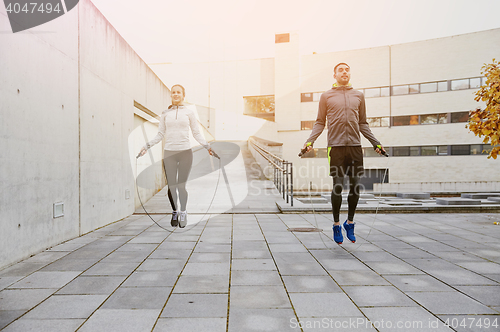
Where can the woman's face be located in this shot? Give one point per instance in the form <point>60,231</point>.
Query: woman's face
<point>177,95</point>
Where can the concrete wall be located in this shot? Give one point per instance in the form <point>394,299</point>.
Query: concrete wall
<point>68,89</point>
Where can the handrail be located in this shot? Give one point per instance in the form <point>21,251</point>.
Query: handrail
<point>283,171</point>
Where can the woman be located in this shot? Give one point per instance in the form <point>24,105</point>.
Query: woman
<point>178,156</point>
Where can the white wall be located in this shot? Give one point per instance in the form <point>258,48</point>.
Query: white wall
<point>67,89</point>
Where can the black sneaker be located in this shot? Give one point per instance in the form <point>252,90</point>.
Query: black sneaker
<point>174,221</point>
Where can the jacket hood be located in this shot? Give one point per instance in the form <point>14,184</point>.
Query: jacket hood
<point>336,86</point>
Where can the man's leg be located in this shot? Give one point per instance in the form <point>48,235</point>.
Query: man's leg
<point>352,201</point>
<point>353,198</point>
<point>338,183</point>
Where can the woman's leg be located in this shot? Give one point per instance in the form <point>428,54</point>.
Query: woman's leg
<point>184,168</point>
<point>170,162</point>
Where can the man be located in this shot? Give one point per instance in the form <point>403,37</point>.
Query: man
<point>344,109</point>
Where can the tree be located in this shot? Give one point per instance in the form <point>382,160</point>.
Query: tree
<point>487,122</point>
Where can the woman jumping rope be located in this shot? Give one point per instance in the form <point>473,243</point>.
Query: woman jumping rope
<point>178,156</point>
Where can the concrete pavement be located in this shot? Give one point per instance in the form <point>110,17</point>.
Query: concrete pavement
<point>248,272</point>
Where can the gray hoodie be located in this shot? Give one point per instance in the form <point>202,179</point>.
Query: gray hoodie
<point>174,126</point>
<point>344,110</point>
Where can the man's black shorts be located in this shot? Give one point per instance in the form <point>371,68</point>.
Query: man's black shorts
<point>345,160</point>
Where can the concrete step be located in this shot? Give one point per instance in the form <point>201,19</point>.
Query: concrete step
<point>457,201</point>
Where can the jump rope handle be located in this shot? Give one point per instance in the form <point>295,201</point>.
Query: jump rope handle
<point>380,148</point>
<point>304,150</point>
<point>215,155</point>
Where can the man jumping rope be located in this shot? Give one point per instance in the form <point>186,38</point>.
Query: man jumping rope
<point>344,109</point>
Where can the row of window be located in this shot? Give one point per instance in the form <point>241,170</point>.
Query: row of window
<point>407,120</point>
<point>410,151</point>
<point>406,89</point>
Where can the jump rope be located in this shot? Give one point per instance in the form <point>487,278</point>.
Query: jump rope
<point>303,151</point>
<point>193,225</point>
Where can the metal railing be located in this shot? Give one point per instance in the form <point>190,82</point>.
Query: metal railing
<point>282,171</point>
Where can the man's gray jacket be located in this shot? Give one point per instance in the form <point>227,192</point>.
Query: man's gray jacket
<point>344,110</point>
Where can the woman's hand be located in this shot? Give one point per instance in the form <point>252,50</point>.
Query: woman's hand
<point>142,152</point>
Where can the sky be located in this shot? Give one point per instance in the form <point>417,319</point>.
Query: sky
<point>186,31</point>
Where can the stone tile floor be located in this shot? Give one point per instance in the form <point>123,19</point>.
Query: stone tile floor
<point>247,272</point>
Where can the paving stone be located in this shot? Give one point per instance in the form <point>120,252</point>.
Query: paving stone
<point>254,264</point>
<point>7,281</point>
<point>138,298</point>
<point>121,320</point>
<point>443,303</point>
<point>251,254</point>
<point>42,325</point>
<point>111,269</point>
<point>137,247</point>
<point>181,254</point>
<point>258,297</point>
<point>202,284</point>
<point>367,278</point>
<point>46,257</point>
<point>151,279</point>
<point>45,280</point>
<point>191,324</point>
<point>91,285</point>
<point>68,264</point>
<point>21,269</point>
<point>206,269</point>
<point>487,295</point>
<point>23,299</point>
<point>153,264</point>
<point>254,278</point>
<point>481,267</point>
<point>341,324</point>
<point>196,305</point>
<point>212,247</point>
<point>418,283</point>
<point>323,305</point>
<point>66,306</point>
<point>169,245</point>
<point>8,316</point>
<point>125,257</point>
<point>392,267</point>
<point>271,320</point>
<point>310,284</point>
<point>343,265</point>
<point>404,319</point>
<point>279,247</point>
<point>378,296</point>
<point>209,257</point>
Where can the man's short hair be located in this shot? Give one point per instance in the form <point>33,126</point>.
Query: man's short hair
<point>341,63</point>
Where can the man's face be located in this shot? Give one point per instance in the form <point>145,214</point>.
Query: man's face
<point>342,75</point>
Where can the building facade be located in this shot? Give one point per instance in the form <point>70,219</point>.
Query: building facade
<point>418,96</point>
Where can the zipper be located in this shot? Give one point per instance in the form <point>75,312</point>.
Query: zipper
<point>177,111</point>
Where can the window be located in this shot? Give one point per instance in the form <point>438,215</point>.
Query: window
<point>443,150</point>
<point>401,151</point>
<point>385,92</point>
<point>374,92</point>
<point>306,125</point>
<point>429,150</point>
<point>384,121</point>
<point>459,117</point>
<point>443,86</point>
<point>414,88</point>
<point>260,107</point>
<point>401,120</point>
<point>486,149</point>
<point>369,152</point>
<point>378,122</point>
<point>475,82</point>
<point>483,80</point>
<point>305,97</point>
<point>429,119</point>
<point>460,84</point>
<point>400,90</point>
<point>414,151</point>
<point>414,120</point>
<point>460,150</point>
<point>476,149</point>
<point>443,118</point>
<point>428,87</point>
<point>282,38</point>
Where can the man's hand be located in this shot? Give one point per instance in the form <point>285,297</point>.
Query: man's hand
<point>380,150</point>
<point>307,146</point>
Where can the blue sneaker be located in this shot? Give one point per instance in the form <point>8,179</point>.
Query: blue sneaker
<point>349,230</point>
<point>337,234</point>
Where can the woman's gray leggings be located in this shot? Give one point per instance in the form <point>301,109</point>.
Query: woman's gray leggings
<point>177,168</point>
